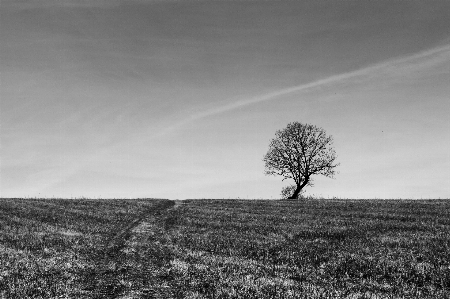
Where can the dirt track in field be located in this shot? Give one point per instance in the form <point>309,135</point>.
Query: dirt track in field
<point>104,282</point>
<point>117,241</point>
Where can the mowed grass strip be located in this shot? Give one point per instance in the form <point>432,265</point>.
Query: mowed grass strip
<point>308,249</point>
<point>55,248</point>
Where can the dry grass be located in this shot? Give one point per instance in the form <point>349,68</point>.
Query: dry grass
<point>56,248</point>
<point>224,249</point>
<point>310,249</point>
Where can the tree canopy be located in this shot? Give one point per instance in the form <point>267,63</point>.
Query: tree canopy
<point>299,152</point>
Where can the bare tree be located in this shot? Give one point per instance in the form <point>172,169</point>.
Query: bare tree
<point>299,152</point>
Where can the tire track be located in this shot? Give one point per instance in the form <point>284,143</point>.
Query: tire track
<point>117,241</point>
<point>146,232</point>
<point>107,279</point>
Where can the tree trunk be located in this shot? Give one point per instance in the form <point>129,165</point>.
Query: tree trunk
<point>297,190</point>
<point>296,193</point>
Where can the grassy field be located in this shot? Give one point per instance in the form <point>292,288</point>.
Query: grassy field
<point>61,248</point>
<point>224,249</point>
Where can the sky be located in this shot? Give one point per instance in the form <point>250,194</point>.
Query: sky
<point>180,99</point>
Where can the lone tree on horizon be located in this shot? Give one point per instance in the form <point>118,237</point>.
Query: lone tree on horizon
<point>298,152</point>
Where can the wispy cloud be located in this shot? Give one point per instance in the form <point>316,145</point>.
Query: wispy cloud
<point>404,64</point>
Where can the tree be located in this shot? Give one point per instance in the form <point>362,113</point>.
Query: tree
<point>299,152</point>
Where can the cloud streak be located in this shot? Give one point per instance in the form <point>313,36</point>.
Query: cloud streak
<point>430,57</point>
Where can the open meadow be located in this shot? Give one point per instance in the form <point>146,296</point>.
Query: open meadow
<point>98,248</point>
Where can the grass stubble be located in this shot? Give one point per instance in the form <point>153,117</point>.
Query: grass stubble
<point>224,249</point>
